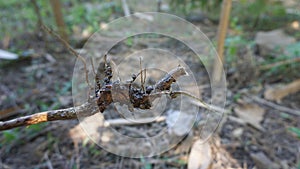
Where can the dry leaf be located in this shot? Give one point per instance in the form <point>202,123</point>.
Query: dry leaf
<point>200,156</point>
<point>251,114</point>
<point>277,94</point>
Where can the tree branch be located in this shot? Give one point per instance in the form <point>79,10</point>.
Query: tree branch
<point>274,106</point>
<point>86,109</point>
<point>89,108</point>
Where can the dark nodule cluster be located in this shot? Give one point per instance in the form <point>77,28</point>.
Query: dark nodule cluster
<point>140,98</point>
<point>132,96</point>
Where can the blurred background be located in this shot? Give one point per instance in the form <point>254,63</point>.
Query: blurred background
<point>260,129</point>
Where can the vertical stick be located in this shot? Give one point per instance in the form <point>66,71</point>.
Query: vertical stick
<point>222,30</point>
<point>38,13</point>
<point>40,22</point>
<point>142,76</point>
<point>158,5</point>
<point>125,8</point>
<point>56,8</point>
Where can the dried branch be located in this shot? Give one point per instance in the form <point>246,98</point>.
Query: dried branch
<point>199,102</point>
<point>70,49</point>
<point>99,103</point>
<point>143,76</point>
<point>96,104</point>
<point>121,122</point>
<point>285,62</point>
<point>222,31</point>
<point>86,109</point>
<point>275,106</point>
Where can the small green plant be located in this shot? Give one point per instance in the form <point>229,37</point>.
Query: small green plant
<point>181,162</point>
<point>233,44</point>
<point>63,89</point>
<point>295,131</point>
<point>66,88</point>
<point>10,136</point>
<point>94,150</point>
<point>146,164</point>
<point>129,41</point>
<point>236,97</point>
<point>51,141</point>
<point>290,70</point>
<point>285,116</point>
<point>235,26</point>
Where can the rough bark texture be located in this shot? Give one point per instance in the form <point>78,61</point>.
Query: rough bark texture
<point>86,109</point>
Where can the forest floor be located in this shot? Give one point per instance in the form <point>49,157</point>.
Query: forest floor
<point>43,80</point>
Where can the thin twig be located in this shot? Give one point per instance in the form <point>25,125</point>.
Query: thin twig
<point>275,106</point>
<point>272,65</point>
<point>70,49</point>
<point>40,21</point>
<point>105,59</point>
<point>145,75</point>
<point>142,76</point>
<point>121,122</point>
<point>92,63</point>
<point>198,102</point>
